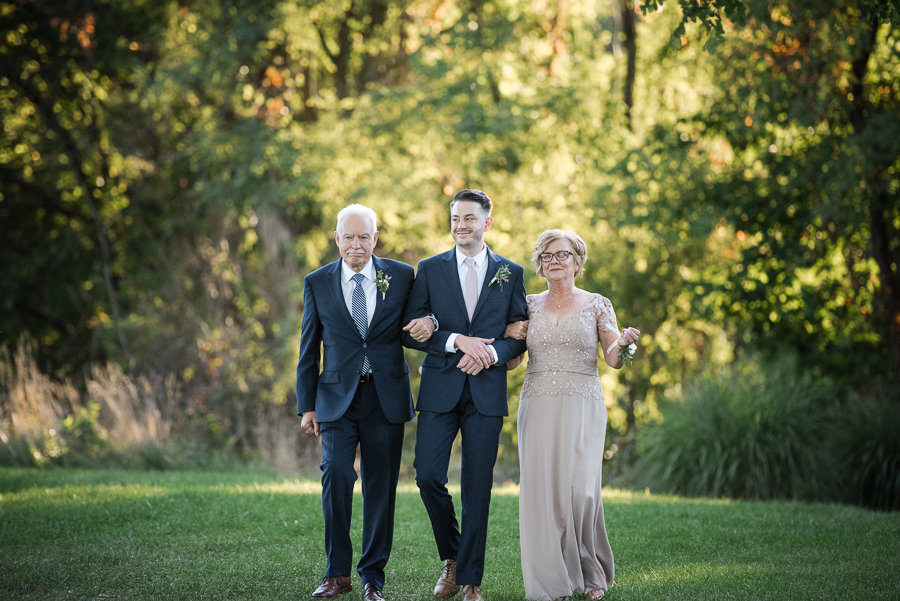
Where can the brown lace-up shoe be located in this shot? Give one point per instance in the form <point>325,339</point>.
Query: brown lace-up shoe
<point>372,594</point>
<point>332,586</point>
<point>471,593</point>
<point>446,584</point>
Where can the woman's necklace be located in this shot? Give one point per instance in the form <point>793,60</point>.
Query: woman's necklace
<point>559,304</point>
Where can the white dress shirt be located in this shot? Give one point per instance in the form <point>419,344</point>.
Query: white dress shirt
<point>481,264</point>
<point>368,284</point>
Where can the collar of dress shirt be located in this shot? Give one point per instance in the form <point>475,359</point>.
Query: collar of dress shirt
<point>480,258</point>
<point>368,271</point>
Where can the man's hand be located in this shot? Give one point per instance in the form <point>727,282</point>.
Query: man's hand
<point>420,328</point>
<point>309,424</point>
<point>515,362</point>
<point>477,349</point>
<point>517,330</point>
<point>469,365</point>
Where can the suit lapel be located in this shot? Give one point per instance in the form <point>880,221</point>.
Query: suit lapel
<point>451,272</point>
<point>492,266</point>
<point>380,299</point>
<point>337,294</point>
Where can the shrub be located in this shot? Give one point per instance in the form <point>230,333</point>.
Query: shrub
<point>867,448</point>
<point>755,432</point>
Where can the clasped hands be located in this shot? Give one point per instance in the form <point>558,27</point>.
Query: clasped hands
<point>478,356</point>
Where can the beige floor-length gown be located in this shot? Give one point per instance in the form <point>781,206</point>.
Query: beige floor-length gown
<point>562,427</point>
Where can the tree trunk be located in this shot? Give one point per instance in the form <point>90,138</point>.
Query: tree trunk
<point>558,29</point>
<point>628,28</point>
<point>309,93</point>
<point>372,63</point>
<point>884,207</point>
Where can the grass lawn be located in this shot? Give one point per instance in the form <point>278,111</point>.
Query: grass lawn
<point>83,534</point>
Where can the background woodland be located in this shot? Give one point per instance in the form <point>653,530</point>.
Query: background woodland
<point>171,170</point>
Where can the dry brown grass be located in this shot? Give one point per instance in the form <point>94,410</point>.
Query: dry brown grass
<point>135,412</point>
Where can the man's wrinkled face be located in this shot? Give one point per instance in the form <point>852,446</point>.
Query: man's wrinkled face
<point>356,240</point>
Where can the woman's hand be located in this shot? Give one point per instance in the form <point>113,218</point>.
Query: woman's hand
<point>515,362</point>
<point>628,336</point>
<point>517,330</point>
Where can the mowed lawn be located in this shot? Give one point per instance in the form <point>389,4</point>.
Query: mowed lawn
<point>83,534</point>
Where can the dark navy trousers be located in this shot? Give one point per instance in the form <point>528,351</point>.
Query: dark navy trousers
<point>380,445</point>
<point>434,441</point>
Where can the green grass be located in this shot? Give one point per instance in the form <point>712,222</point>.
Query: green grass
<point>82,534</point>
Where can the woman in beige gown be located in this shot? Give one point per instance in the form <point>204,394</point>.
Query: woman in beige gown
<point>562,426</point>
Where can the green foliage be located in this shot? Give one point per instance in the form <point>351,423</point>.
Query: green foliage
<point>82,435</point>
<point>709,14</point>
<point>867,450</point>
<point>752,433</point>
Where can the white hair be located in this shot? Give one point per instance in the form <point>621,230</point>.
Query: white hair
<point>359,210</point>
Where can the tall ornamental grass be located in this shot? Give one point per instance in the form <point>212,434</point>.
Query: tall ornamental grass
<point>867,450</point>
<point>768,431</point>
<point>114,419</point>
<point>753,432</point>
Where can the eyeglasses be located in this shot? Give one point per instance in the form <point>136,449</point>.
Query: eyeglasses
<point>562,255</point>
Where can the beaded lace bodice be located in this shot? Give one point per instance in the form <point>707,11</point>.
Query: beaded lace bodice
<point>562,359</point>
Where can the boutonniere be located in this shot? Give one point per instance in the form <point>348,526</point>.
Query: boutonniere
<point>383,282</point>
<point>502,276</point>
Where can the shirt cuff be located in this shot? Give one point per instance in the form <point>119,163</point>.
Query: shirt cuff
<point>450,347</point>
<point>494,353</point>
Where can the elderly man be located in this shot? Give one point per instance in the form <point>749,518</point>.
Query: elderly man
<point>353,310</point>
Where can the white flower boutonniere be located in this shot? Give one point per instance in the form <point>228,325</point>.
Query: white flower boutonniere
<point>502,276</point>
<point>383,282</point>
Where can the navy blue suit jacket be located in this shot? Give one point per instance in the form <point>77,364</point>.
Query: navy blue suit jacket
<point>328,324</point>
<point>437,290</point>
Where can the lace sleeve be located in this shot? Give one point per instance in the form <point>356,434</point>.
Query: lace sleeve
<point>606,316</point>
<point>529,300</point>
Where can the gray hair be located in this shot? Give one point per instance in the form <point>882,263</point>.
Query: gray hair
<point>359,210</point>
<point>579,249</point>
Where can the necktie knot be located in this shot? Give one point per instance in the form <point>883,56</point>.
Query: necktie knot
<point>470,263</point>
<point>358,278</point>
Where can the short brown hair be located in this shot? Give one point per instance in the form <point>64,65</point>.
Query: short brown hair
<point>472,195</point>
<point>579,248</point>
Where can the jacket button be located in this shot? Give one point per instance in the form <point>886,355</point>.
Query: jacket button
<point>364,345</point>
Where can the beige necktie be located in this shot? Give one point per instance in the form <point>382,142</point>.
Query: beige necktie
<point>471,290</point>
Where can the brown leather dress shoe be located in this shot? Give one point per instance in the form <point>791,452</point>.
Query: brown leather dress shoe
<point>332,586</point>
<point>372,594</point>
<point>446,584</point>
<point>471,593</point>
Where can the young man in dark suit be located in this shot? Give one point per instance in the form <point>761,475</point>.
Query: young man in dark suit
<point>474,294</point>
<point>353,310</point>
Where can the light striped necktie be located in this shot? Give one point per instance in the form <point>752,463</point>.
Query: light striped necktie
<point>360,315</point>
<point>470,294</point>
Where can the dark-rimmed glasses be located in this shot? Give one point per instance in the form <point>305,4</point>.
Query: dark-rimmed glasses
<point>561,255</point>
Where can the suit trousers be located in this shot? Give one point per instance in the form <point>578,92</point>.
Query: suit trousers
<point>380,445</point>
<point>434,441</point>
